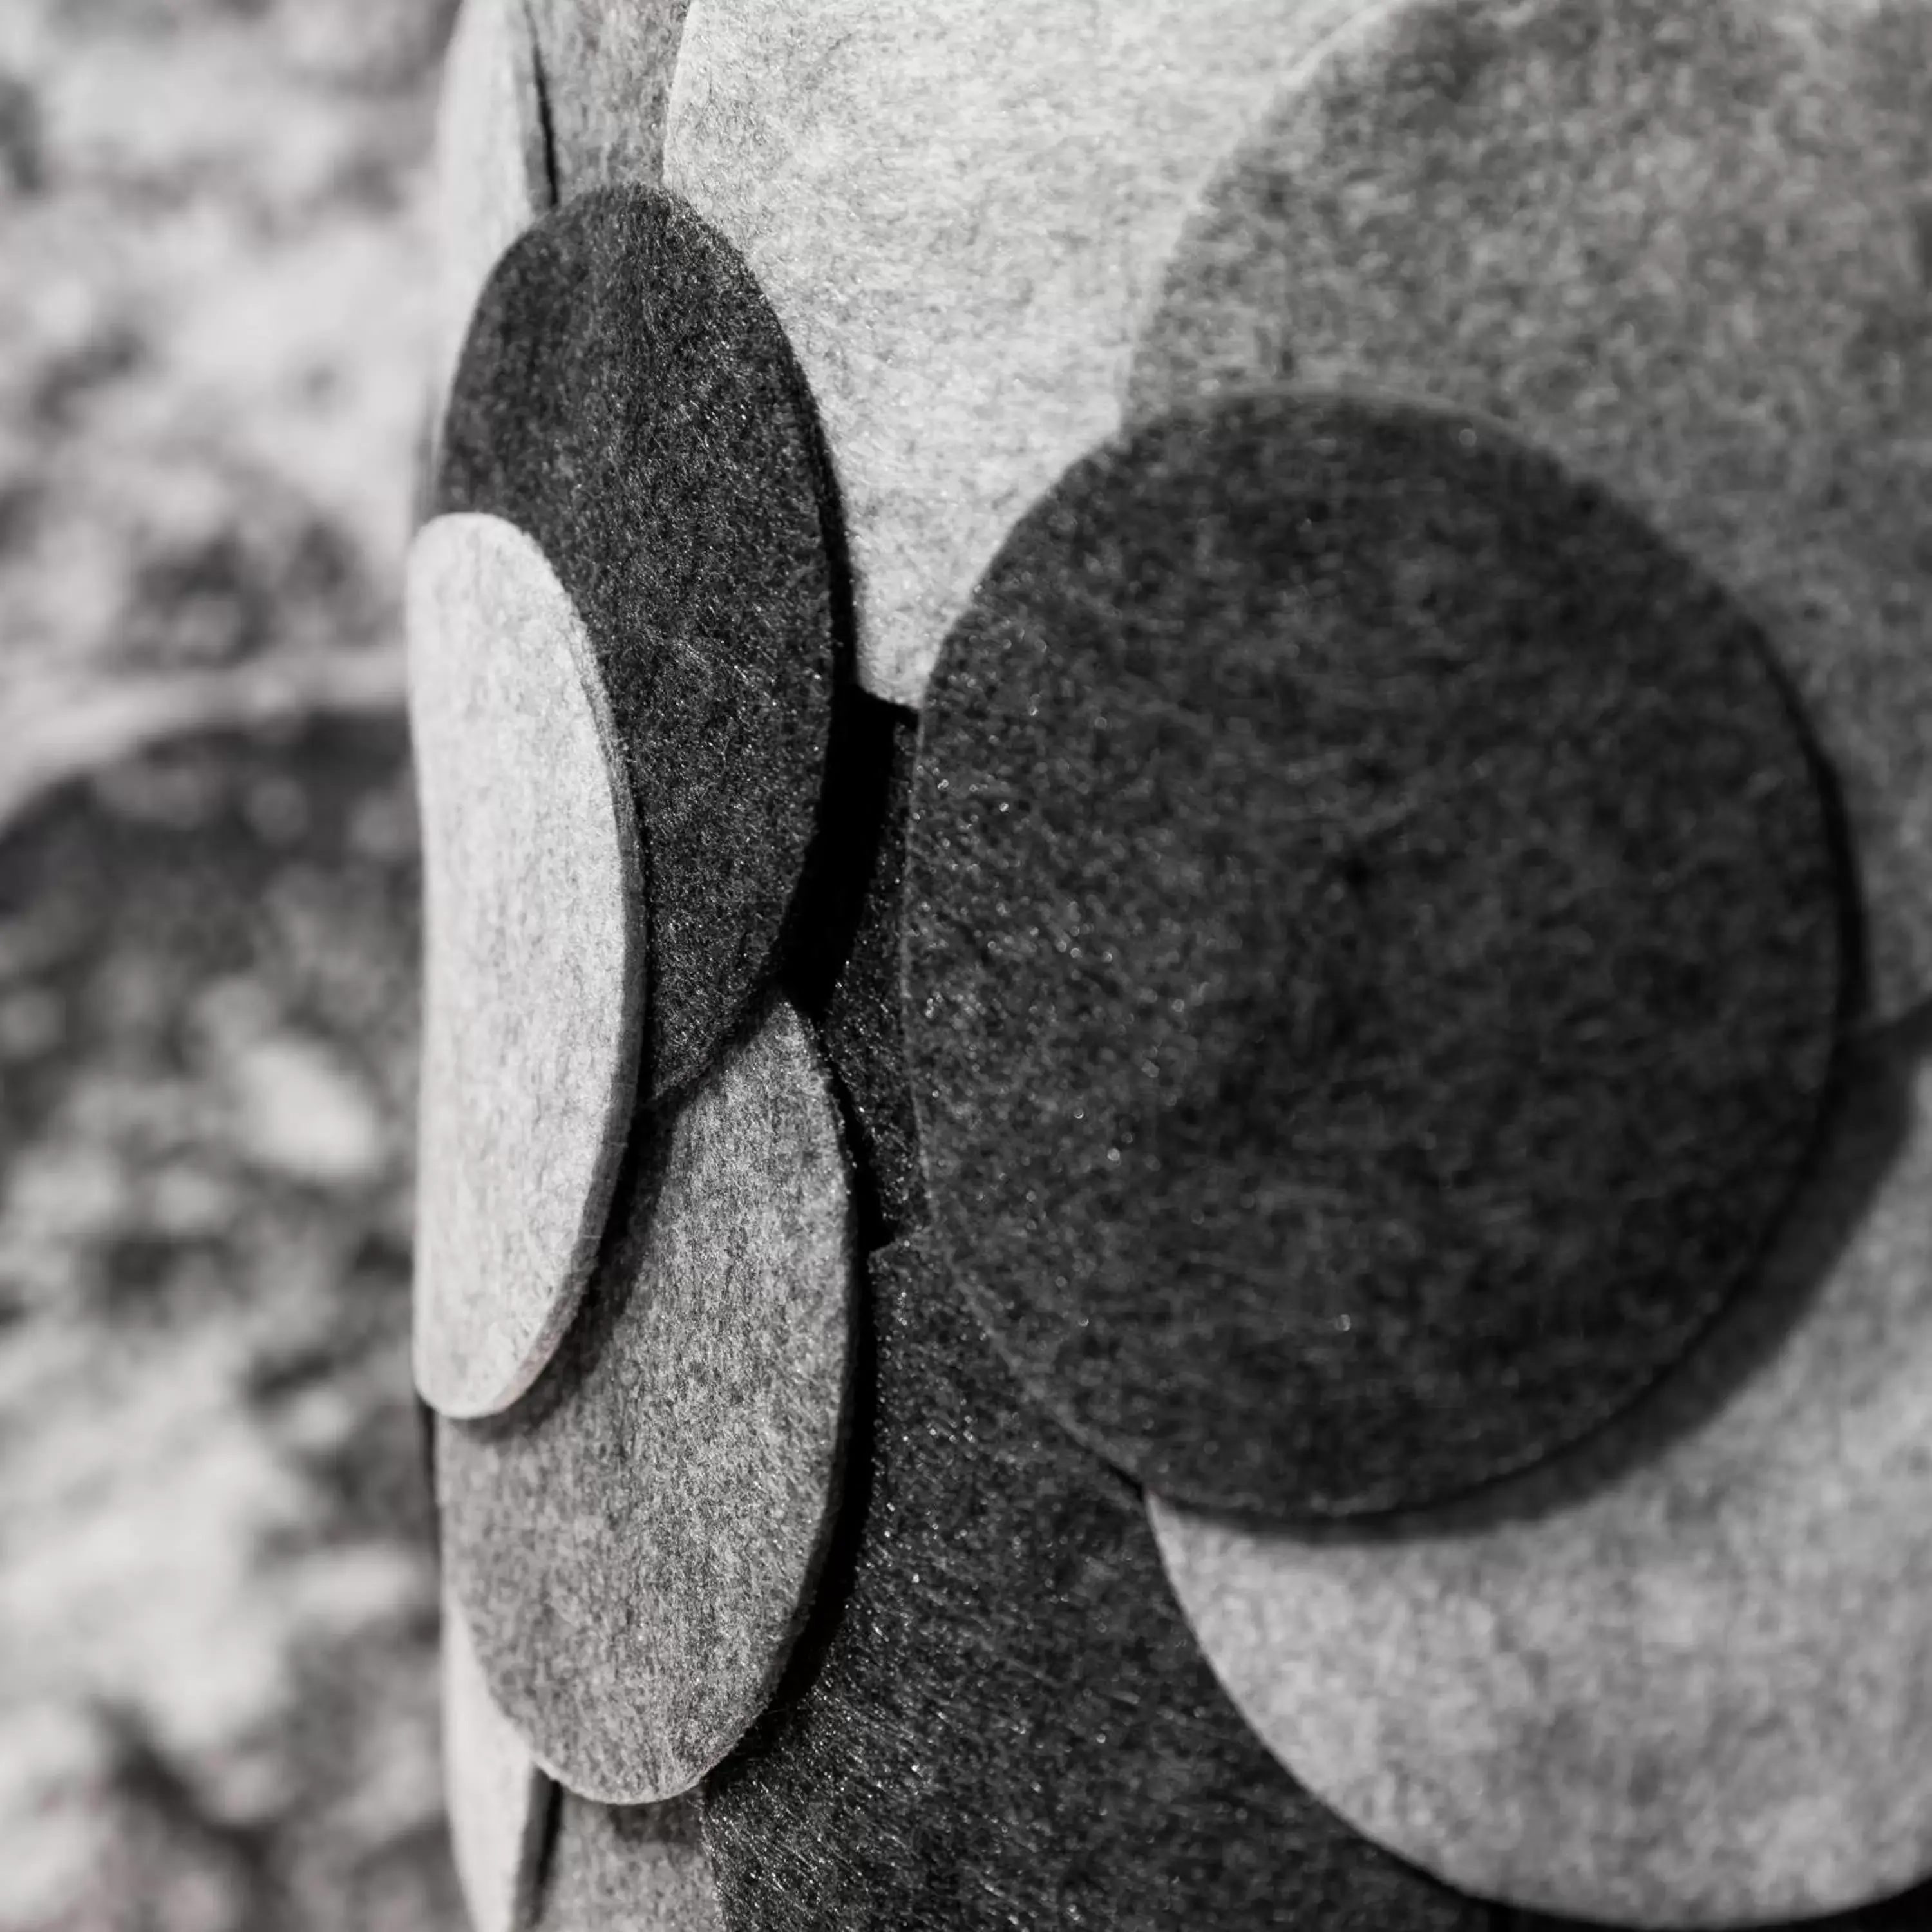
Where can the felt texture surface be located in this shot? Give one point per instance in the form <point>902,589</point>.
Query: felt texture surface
<point>631,1870</point>
<point>627,399</point>
<point>961,215</point>
<point>635,1543</point>
<point>1001,1720</point>
<point>1372,953</point>
<point>1676,1677</point>
<point>534,959</point>
<point>607,68</point>
<point>492,161</point>
<point>1688,249</point>
<point>864,1037</point>
<point>499,1803</point>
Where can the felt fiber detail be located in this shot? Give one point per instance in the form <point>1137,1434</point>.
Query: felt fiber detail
<point>627,399</point>
<point>961,214</point>
<point>492,162</point>
<point>1000,1720</point>
<point>499,1803</point>
<point>534,961</point>
<point>1687,248</point>
<point>1372,954</point>
<point>641,1870</point>
<point>1676,1678</point>
<point>607,67</point>
<point>636,1542</point>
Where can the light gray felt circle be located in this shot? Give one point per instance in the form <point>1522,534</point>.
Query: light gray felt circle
<point>1687,248</point>
<point>959,213</point>
<point>636,1869</point>
<point>1680,1677</point>
<point>499,1801</point>
<point>636,1543</point>
<point>534,960</point>
<point>492,174</point>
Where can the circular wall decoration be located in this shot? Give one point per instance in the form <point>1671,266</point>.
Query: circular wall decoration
<point>533,957</point>
<point>1373,955</point>
<point>636,1543</point>
<point>627,399</point>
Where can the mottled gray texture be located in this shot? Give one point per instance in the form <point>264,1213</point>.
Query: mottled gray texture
<point>636,1543</point>
<point>1678,1678</point>
<point>606,71</point>
<point>627,397</point>
<point>534,960</point>
<point>628,1869</point>
<point>499,1803</point>
<point>959,213</point>
<point>1372,954</point>
<point>492,163</point>
<point>1688,247</point>
<point>999,1721</point>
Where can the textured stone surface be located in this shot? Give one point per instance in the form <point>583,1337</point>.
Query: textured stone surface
<point>1372,954</point>
<point>636,1543</point>
<point>1677,1679</point>
<point>1688,248</point>
<point>959,213</point>
<point>534,960</point>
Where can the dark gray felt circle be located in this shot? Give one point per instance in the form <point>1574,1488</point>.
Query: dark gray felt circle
<point>635,1543</point>
<point>1007,1723</point>
<point>1373,953</point>
<point>627,399</point>
<point>1688,248</point>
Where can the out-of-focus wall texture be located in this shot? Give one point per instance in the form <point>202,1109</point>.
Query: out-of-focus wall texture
<point>217,1598</point>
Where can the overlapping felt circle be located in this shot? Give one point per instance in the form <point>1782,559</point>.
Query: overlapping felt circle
<point>627,399</point>
<point>534,961</point>
<point>635,1543</point>
<point>1687,248</point>
<point>1004,1721</point>
<point>1373,953</point>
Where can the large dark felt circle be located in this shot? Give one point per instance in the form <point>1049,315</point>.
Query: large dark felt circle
<point>1373,950</point>
<point>627,399</point>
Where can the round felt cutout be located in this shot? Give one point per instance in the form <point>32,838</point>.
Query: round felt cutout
<point>533,957</point>
<point>1006,1723</point>
<point>499,1803</point>
<point>1688,249</point>
<point>635,1543</point>
<point>1677,1677</point>
<point>627,399</point>
<point>1373,955</point>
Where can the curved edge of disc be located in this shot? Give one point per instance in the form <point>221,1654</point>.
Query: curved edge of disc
<point>499,1800</point>
<point>641,1545</point>
<point>1676,1678</point>
<point>492,165</point>
<point>534,961</point>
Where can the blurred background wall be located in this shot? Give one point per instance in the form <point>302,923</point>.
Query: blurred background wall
<point>217,1602</point>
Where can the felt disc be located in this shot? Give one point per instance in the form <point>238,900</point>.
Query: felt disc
<point>607,67</point>
<point>635,1543</point>
<point>960,212</point>
<point>533,957</point>
<point>1677,1677</point>
<point>1373,953</point>
<point>492,166</point>
<point>627,399</point>
<point>640,1869</point>
<point>1687,248</point>
<point>500,1802</point>
<point>1006,1723</point>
